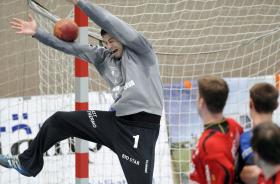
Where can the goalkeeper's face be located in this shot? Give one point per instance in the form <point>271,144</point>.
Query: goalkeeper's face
<point>115,46</point>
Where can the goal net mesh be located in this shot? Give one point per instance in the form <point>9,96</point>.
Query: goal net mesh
<point>234,39</point>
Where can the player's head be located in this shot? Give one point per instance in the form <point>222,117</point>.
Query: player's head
<point>113,44</point>
<point>266,143</point>
<point>263,98</point>
<point>213,93</point>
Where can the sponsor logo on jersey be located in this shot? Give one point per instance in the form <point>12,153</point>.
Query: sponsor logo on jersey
<point>146,166</point>
<point>130,159</point>
<point>91,116</point>
<point>126,86</point>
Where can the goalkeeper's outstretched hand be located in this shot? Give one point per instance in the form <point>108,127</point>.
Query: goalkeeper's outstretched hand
<point>24,27</point>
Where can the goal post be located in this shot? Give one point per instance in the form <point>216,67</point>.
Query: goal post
<point>81,98</point>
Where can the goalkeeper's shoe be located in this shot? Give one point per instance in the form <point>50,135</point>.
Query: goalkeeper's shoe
<point>12,162</point>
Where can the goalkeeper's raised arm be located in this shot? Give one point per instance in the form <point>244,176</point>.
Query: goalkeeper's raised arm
<point>114,26</point>
<point>92,54</point>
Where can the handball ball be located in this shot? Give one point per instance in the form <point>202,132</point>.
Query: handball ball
<point>187,84</point>
<point>66,30</point>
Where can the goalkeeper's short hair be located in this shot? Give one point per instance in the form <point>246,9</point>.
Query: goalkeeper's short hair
<point>103,32</point>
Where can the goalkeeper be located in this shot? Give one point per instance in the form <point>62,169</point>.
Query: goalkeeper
<point>129,65</point>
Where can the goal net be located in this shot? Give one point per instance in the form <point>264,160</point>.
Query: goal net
<point>234,39</point>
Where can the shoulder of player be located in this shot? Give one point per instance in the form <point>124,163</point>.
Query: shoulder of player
<point>140,45</point>
<point>209,139</point>
<point>234,124</point>
<point>246,135</point>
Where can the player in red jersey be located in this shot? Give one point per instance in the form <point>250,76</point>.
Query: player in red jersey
<point>215,155</point>
<point>266,145</point>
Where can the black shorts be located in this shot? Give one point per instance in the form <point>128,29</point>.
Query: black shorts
<point>132,138</point>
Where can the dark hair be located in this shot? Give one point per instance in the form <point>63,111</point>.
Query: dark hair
<point>103,32</point>
<point>264,97</point>
<point>266,142</point>
<point>214,91</point>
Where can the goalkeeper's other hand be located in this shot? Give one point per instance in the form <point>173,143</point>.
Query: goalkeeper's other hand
<point>24,27</point>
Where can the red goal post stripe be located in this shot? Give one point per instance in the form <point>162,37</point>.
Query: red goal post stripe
<point>81,79</point>
<point>81,160</point>
<point>80,17</point>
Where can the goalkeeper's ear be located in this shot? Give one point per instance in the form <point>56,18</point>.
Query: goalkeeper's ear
<point>251,104</point>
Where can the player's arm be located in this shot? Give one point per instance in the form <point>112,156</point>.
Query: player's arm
<point>219,169</point>
<point>115,27</point>
<point>238,167</point>
<point>193,177</point>
<point>250,174</point>
<point>92,54</point>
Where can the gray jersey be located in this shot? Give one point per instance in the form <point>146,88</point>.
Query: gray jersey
<point>134,79</point>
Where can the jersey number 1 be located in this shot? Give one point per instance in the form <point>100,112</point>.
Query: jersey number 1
<point>136,140</point>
